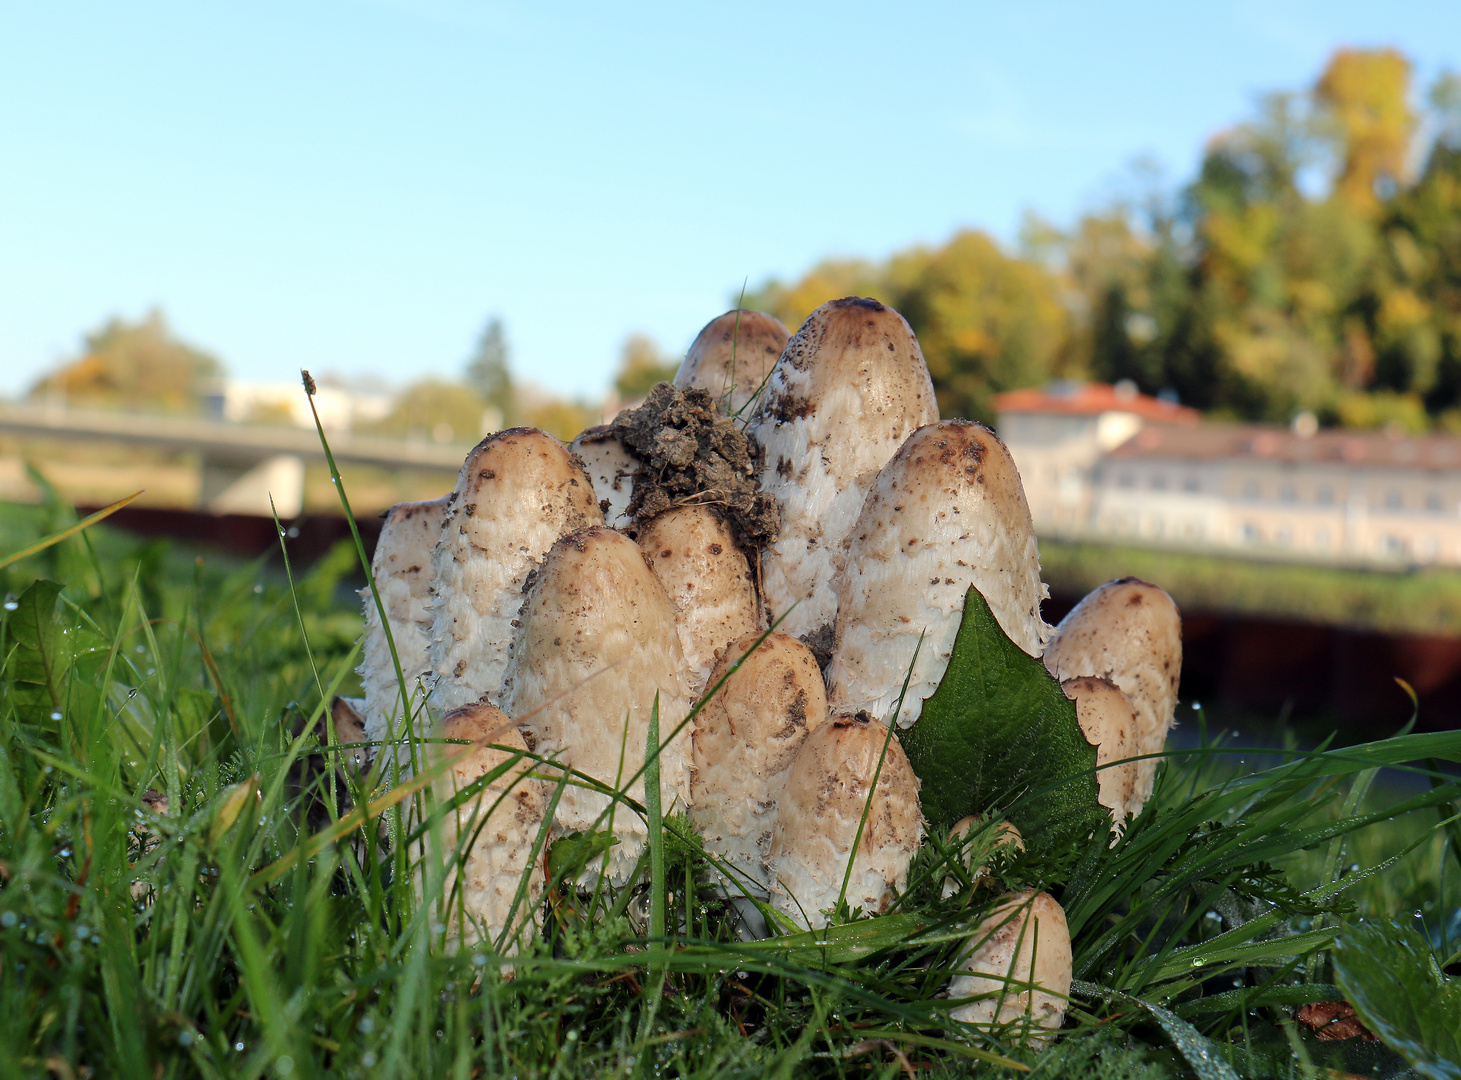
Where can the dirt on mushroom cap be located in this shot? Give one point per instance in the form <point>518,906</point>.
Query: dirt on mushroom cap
<point>690,454</point>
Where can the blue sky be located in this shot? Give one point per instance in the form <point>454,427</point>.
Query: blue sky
<point>357,185</point>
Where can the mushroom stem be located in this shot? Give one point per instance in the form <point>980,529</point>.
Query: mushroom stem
<point>1019,965</point>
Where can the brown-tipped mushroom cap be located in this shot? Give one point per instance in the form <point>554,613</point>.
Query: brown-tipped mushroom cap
<point>1023,941</point>
<point>1109,722</point>
<point>1129,632</point>
<point>946,513</point>
<point>518,492</point>
<point>821,806</point>
<point>744,741</point>
<point>611,468</point>
<point>500,823</point>
<point>849,389</point>
<point>402,570</point>
<point>1003,835</point>
<point>732,356</point>
<point>596,644</point>
<point>708,580</point>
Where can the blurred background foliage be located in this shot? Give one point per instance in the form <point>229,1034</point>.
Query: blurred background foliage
<point>1312,264</point>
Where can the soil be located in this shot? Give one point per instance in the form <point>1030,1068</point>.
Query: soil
<point>691,455</point>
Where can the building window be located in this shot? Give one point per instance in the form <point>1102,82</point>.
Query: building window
<point>1284,537</point>
<point>1192,484</point>
<point>1433,503</point>
<point>1392,499</point>
<point>1159,481</point>
<point>1286,493</point>
<point>1326,496</point>
<point>1127,480</point>
<point>1321,539</point>
<point>1250,489</point>
<point>1394,547</point>
<point>1250,533</point>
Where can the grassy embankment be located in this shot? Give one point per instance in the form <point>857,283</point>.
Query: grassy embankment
<point>1412,600</point>
<point>249,931</point>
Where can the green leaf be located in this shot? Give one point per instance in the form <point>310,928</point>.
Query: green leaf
<point>40,658</point>
<point>1201,1052</point>
<point>569,855</point>
<point>999,734</point>
<point>1390,976</point>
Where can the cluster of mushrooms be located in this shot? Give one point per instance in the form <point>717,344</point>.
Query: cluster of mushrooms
<point>561,594</point>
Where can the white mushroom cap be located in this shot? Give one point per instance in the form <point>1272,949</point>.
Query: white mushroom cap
<point>1128,632</point>
<point>744,741</point>
<point>611,468</point>
<point>402,570</point>
<point>518,492</point>
<point>708,580</point>
<point>821,806</point>
<point>946,513</point>
<point>1109,721</point>
<point>1023,941</point>
<point>505,831</point>
<point>1005,834</point>
<point>597,643</point>
<point>732,356</point>
<point>850,388</point>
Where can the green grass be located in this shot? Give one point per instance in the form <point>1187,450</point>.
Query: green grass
<point>224,939</point>
<point>1411,600</point>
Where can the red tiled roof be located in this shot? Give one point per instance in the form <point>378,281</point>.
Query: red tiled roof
<point>1092,399</point>
<point>1209,442</point>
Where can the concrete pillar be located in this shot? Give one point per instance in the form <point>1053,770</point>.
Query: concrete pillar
<point>233,487</point>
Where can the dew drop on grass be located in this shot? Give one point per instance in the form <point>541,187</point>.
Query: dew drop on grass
<point>7,919</point>
<point>284,1065</point>
<point>11,605</point>
<point>56,715</point>
<point>258,589</point>
<point>368,1058</point>
<point>366,1025</point>
<point>238,1046</point>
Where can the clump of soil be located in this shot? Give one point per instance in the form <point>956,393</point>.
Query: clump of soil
<point>691,455</point>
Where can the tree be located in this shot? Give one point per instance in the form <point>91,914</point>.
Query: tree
<point>488,370</point>
<point>439,410</point>
<point>641,367</point>
<point>1364,94</point>
<point>136,365</point>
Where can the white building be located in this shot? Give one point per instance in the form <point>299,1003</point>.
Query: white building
<point>1103,462</point>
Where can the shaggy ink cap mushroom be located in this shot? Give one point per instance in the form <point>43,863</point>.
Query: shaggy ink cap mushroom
<point>1128,632</point>
<point>744,741</point>
<point>611,467</point>
<point>1019,966</point>
<point>694,554</point>
<point>484,843</point>
<point>402,569</point>
<point>732,356</point>
<point>851,386</point>
<point>1109,722</point>
<point>817,822</point>
<point>1004,835</point>
<point>946,513</point>
<point>597,641</point>
<point>518,492</point>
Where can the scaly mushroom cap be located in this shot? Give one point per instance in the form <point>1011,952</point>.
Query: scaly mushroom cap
<point>1130,633</point>
<point>597,642</point>
<point>402,570</point>
<point>518,492</point>
<point>500,823</point>
<point>1024,940</point>
<point>732,356</point>
<point>946,513</point>
<point>611,468</point>
<point>708,580</point>
<point>1109,721</point>
<point>849,389</point>
<point>821,806</point>
<point>744,741</point>
<point>1005,835</point>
